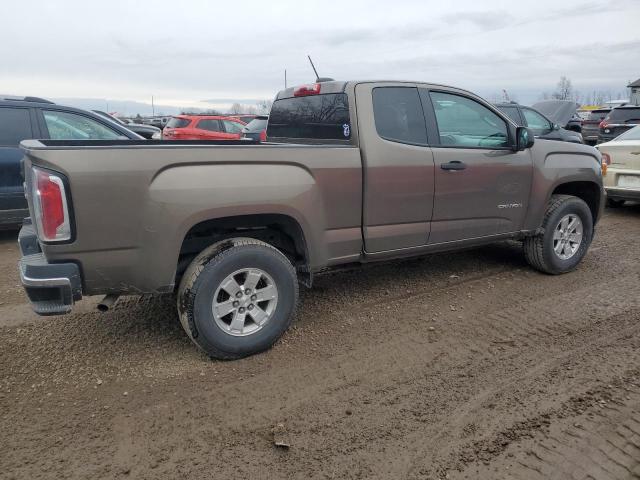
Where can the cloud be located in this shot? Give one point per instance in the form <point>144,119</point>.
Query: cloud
<point>126,50</point>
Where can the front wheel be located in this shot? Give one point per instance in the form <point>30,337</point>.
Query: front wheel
<point>567,233</point>
<point>237,298</point>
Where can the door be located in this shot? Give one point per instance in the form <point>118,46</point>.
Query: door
<point>398,166</point>
<point>481,184</point>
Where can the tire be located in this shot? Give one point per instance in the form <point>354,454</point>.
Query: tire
<point>540,250</point>
<point>214,275</point>
<point>615,202</point>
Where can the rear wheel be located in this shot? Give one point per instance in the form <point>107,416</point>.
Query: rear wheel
<point>237,298</point>
<point>567,233</point>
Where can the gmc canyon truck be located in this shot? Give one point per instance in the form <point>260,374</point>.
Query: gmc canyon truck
<point>351,172</point>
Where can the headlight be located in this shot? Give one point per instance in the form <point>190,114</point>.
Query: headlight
<point>156,136</point>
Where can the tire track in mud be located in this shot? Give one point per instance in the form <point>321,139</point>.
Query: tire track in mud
<point>391,377</point>
<point>416,369</point>
<point>593,436</point>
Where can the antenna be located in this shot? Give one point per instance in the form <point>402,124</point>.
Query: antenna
<point>314,68</point>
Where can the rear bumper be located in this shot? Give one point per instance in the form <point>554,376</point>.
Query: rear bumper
<point>13,218</point>
<point>52,288</point>
<point>618,193</point>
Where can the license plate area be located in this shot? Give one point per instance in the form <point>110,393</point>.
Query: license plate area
<point>629,181</point>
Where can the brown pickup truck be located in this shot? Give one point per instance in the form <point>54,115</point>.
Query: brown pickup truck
<point>352,172</point>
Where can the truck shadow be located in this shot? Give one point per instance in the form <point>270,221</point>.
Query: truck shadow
<point>144,334</point>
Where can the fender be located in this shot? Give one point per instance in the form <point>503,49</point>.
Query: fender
<point>557,164</point>
<point>197,193</point>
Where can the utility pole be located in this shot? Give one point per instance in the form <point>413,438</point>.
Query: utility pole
<point>153,109</point>
<point>285,78</point>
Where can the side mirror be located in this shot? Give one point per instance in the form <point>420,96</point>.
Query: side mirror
<point>524,138</point>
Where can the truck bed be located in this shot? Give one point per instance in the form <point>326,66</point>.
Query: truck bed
<point>136,202</point>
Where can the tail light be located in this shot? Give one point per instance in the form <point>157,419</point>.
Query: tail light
<point>263,136</point>
<point>50,206</point>
<point>305,90</point>
<point>606,161</point>
<point>603,124</point>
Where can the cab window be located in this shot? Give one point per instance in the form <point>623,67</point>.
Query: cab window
<point>398,114</point>
<point>71,126</point>
<point>466,123</point>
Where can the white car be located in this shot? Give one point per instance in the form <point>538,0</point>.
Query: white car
<point>621,167</point>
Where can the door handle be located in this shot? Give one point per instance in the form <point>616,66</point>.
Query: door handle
<point>454,165</point>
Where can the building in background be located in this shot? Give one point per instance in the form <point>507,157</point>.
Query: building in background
<point>634,96</point>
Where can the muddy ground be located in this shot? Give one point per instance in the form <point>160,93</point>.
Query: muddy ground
<point>463,365</point>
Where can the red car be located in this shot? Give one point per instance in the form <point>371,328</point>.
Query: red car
<point>203,127</point>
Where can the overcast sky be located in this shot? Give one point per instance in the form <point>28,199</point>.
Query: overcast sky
<point>183,52</point>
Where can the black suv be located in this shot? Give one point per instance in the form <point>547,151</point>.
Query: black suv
<point>541,126</point>
<point>619,120</point>
<point>26,118</point>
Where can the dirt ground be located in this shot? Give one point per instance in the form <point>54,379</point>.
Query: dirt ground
<point>462,365</point>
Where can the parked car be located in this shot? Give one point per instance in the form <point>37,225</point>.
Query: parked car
<point>619,120</point>
<point>147,131</point>
<point>256,129</point>
<point>591,125</point>
<point>561,112</point>
<point>233,228</point>
<point>23,118</point>
<point>541,126</point>
<point>621,158</point>
<point>159,122</point>
<point>203,127</point>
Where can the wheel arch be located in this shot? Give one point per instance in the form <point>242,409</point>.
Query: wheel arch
<point>282,231</point>
<point>589,192</point>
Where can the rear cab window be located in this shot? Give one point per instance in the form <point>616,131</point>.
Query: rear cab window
<point>322,118</point>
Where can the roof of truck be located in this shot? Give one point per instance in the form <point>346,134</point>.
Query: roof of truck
<point>339,86</point>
